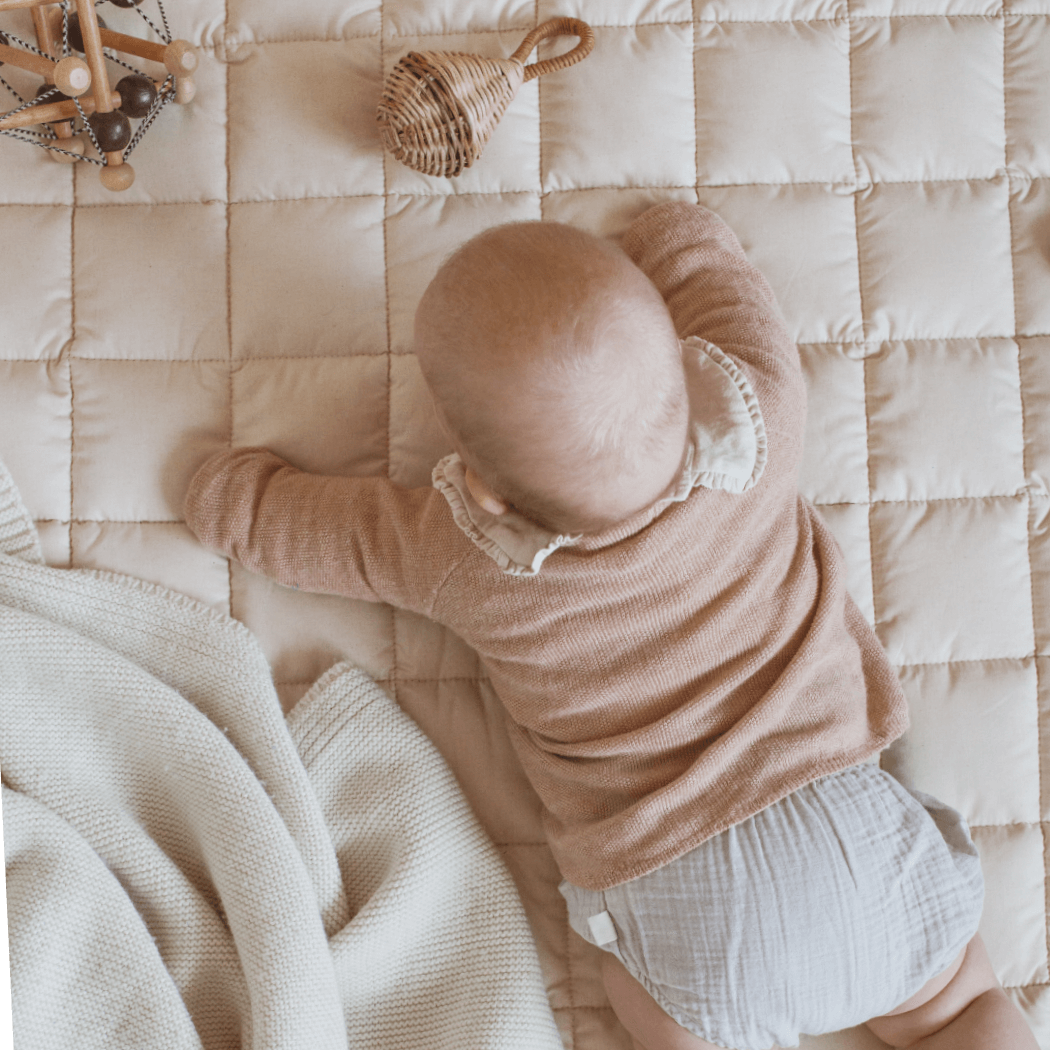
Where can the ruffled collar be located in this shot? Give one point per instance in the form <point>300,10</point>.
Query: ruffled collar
<point>726,451</point>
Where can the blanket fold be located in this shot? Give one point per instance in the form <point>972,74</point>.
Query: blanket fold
<point>187,869</point>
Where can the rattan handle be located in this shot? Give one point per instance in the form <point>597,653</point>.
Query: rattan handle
<point>556,27</point>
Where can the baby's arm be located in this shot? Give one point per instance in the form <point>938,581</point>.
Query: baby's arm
<point>360,537</point>
<point>710,288</point>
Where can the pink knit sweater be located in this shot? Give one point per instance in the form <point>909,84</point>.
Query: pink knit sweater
<point>663,680</point>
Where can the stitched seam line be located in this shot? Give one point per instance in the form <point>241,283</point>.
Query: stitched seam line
<point>910,340</point>
<point>69,350</point>
<point>394,674</point>
<point>229,298</point>
<point>876,618</point>
<point>1014,172</point>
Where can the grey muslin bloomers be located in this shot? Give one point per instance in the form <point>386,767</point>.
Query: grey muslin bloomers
<point>822,911</point>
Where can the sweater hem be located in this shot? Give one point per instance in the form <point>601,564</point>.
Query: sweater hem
<point>615,875</point>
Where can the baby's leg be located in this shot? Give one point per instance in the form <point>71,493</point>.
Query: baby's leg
<point>968,1011</point>
<point>650,1027</point>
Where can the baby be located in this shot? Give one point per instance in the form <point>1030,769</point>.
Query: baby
<point>690,689</point>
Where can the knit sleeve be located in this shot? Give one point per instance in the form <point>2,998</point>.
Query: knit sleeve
<point>710,288</point>
<point>363,538</point>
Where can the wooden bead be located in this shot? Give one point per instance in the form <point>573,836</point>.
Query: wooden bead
<point>137,95</point>
<point>73,76</point>
<point>112,130</point>
<point>180,57</point>
<point>117,176</point>
<point>50,96</point>
<point>75,37</point>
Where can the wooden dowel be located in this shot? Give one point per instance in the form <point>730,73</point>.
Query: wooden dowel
<point>93,53</point>
<point>44,37</point>
<point>178,57</point>
<point>45,67</point>
<point>46,42</point>
<point>50,111</point>
<point>185,90</point>
<point>132,45</point>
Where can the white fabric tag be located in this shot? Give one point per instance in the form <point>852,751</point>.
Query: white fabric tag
<point>602,929</point>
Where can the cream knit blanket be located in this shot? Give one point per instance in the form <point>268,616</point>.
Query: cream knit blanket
<point>187,869</point>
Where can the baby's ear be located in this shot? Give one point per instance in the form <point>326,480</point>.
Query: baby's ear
<point>485,497</point>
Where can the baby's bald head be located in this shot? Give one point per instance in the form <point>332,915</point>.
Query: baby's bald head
<point>556,370</point>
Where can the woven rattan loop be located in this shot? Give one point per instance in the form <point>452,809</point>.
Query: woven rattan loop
<point>556,27</point>
<point>439,108</point>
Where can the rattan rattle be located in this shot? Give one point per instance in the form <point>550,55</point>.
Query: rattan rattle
<point>439,108</point>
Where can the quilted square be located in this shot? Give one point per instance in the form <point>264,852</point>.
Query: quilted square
<point>835,461</point>
<point>306,278</point>
<point>510,160</point>
<point>598,116</point>
<point>1035,395</point>
<point>431,17</point>
<point>422,231</point>
<point>417,441</point>
<point>54,542</point>
<point>623,13</point>
<point>320,19</point>
<point>762,133</point>
<point>193,20</point>
<point>324,414</point>
<point>27,174</point>
<point>182,157</point>
<point>36,279</point>
<point>952,580</point>
<point>945,420</point>
<point>115,260</point>
<point>34,434</point>
<point>165,553</point>
<point>769,10</point>
<point>327,91</point>
<point>303,634</point>
<point>921,86</point>
<point>804,240</point>
<point>1014,921</point>
<point>973,740</point>
<point>536,878</point>
<point>1030,219</point>
<point>607,212</point>
<point>158,420</point>
<point>1027,92</point>
<point>929,8</point>
<point>935,259</point>
<point>1039,555</point>
<point>428,652</point>
<point>850,527</point>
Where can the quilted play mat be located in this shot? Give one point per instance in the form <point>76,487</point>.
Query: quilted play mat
<point>886,163</point>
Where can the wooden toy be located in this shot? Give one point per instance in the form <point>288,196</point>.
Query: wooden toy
<point>439,108</point>
<point>63,98</point>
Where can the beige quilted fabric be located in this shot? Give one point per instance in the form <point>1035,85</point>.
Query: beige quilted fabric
<point>885,162</point>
